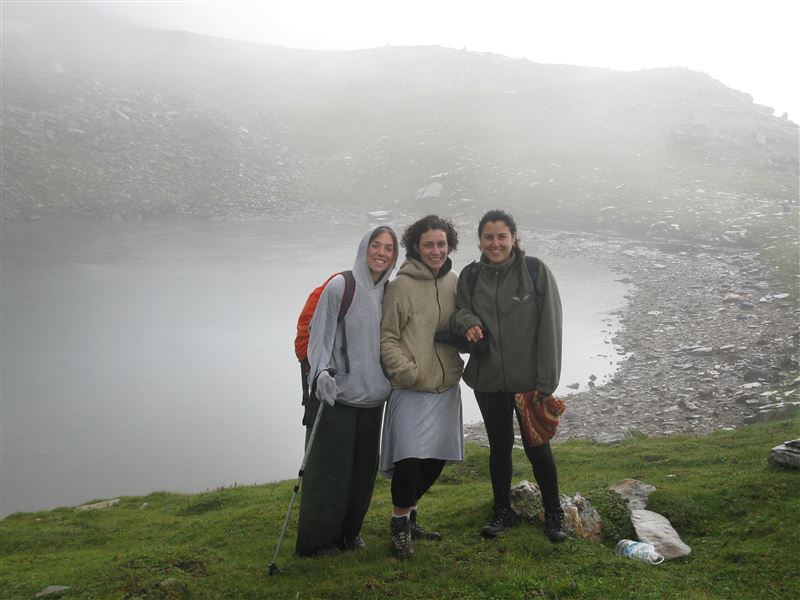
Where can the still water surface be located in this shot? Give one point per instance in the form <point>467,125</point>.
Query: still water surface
<point>146,356</point>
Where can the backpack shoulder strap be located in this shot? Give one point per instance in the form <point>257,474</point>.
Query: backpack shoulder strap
<point>533,268</point>
<point>472,270</point>
<point>347,300</point>
<point>349,292</point>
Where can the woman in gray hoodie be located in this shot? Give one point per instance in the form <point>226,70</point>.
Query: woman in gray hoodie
<point>340,471</point>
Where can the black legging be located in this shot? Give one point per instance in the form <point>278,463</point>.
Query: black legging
<point>497,410</point>
<point>412,477</point>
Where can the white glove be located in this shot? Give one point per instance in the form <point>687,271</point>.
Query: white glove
<point>327,389</point>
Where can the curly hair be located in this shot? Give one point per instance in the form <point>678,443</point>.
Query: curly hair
<point>413,233</point>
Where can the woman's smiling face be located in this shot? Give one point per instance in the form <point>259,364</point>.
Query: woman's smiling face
<point>380,254</point>
<point>433,249</point>
<point>496,242</point>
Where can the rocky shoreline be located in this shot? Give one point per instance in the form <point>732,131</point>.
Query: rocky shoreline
<point>708,341</point>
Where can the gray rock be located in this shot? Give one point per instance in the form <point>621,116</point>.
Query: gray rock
<point>656,529</point>
<point>703,350</point>
<point>786,455</point>
<point>751,375</point>
<point>98,505</point>
<point>634,491</point>
<point>580,518</point>
<point>606,439</point>
<point>52,590</point>
<point>778,410</point>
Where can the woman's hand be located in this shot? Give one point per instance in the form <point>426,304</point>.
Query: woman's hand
<point>327,389</point>
<point>474,334</point>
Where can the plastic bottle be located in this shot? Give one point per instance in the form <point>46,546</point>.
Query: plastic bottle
<point>638,551</point>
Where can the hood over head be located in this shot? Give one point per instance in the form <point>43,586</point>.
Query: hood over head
<point>361,272</point>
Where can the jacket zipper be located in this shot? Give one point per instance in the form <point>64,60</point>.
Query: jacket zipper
<point>439,318</point>
<point>499,334</point>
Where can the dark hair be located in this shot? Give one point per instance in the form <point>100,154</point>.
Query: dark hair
<point>413,233</point>
<point>499,215</point>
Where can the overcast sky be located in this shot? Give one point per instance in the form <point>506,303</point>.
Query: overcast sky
<point>749,45</point>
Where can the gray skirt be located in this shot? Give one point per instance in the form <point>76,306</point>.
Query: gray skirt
<point>422,425</point>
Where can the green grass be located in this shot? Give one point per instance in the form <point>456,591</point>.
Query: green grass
<point>737,512</point>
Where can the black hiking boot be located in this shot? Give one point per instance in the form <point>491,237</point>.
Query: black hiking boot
<point>554,525</point>
<point>402,546</point>
<point>417,531</point>
<point>502,517</point>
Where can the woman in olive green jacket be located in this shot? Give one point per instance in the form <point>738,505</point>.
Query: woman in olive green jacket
<point>520,313</point>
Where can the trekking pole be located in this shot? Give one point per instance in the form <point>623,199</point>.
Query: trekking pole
<point>273,567</point>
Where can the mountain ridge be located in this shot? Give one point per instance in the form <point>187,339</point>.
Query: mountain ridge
<point>127,122</point>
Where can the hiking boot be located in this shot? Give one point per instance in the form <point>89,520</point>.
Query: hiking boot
<point>402,546</point>
<point>554,525</point>
<point>418,533</point>
<point>356,543</point>
<point>502,517</point>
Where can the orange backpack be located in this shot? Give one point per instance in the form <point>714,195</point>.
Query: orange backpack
<point>301,339</point>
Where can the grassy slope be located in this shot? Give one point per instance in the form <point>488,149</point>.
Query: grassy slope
<point>737,512</point>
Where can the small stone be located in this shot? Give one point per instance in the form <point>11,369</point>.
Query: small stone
<point>751,386</point>
<point>98,505</point>
<point>52,590</point>
<point>703,350</point>
<point>606,439</point>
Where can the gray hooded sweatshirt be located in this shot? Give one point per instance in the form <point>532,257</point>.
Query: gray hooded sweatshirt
<point>365,385</point>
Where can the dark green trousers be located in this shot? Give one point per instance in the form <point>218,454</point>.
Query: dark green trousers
<point>339,477</point>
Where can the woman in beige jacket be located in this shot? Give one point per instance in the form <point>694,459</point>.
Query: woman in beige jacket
<point>423,425</point>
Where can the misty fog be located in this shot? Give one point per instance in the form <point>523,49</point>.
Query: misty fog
<point>169,200</point>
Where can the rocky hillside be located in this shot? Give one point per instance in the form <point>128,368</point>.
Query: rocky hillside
<point>103,119</point>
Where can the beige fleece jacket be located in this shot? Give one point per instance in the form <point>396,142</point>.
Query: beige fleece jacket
<point>415,307</point>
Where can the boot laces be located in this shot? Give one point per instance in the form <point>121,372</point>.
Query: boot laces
<point>499,516</point>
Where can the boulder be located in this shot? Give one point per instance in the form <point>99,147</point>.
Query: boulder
<point>786,455</point>
<point>634,491</point>
<point>580,518</point>
<point>656,529</point>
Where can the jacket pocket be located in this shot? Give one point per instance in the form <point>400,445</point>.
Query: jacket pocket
<point>407,377</point>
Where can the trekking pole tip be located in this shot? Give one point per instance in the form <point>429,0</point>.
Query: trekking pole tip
<point>273,568</point>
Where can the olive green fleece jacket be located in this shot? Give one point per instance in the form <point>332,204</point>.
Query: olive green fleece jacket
<point>523,324</point>
<point>415,307</point>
